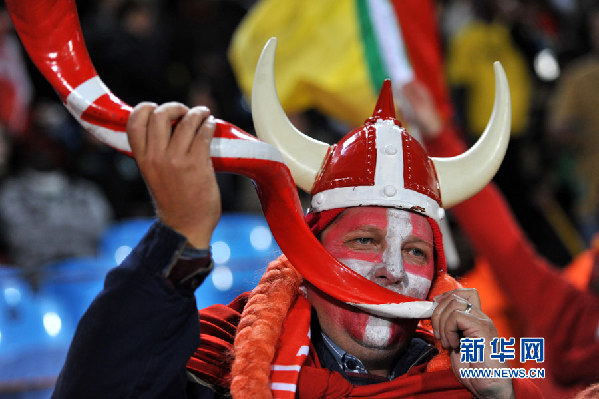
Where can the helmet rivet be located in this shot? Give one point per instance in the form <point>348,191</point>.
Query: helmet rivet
<point>390,149</point>
<point>319,198</point>
<point>389,191</point>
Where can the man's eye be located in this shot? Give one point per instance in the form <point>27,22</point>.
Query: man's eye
<point>364,240</point>
<point>417,252</point>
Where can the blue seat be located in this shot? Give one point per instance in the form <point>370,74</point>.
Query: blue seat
<point>121,237</point>
<point>75,282</point>
<point>35,331</point>
<point>242,246</point>
<point>36,328</point>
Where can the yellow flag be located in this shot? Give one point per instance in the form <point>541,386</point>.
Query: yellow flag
<point>319,61</point>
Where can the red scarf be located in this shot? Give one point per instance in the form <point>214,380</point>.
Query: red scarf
<point>211,362</point>
<point>293,372</point>
<point>316,382</point>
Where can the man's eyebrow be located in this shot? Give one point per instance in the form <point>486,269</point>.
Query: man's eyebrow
<point>416,239</point>
<point>369,228</point>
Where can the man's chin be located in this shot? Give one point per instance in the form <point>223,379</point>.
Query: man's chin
<point>385,334</point>
<point>389,346</point>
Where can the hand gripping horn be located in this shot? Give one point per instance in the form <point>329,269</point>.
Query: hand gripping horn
<point>51,34</point>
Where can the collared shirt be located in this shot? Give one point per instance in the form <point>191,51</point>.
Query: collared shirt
<point>333,357</point>
<point>347,361</point>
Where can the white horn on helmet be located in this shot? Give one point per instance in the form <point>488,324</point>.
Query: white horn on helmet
<point>462,176</point>
<point>302,154</point>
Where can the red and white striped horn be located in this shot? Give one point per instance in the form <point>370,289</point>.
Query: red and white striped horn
<point>51,34</point>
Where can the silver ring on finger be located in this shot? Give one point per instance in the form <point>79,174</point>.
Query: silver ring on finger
<point>468,308</point>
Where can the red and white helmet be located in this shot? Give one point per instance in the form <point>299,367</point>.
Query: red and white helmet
<point>379,163</point>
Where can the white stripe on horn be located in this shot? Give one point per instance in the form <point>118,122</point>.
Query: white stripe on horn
<point>219,147</point>
<point>79,100</point>
<point>239,148</point>
<point>89,91</point>
<point>114,138</point>
<point>85,94</point>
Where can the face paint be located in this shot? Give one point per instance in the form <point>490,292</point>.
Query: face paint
<point>391,247</point>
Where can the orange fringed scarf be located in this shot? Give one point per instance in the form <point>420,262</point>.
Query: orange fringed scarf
<point>260,329</point>
<point>262,341</point>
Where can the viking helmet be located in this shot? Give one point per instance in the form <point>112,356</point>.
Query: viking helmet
<point>379,163</point>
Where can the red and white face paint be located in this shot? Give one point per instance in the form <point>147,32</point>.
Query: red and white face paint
<point>391,247</point>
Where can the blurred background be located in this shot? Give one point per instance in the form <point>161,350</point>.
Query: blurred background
<point>71,208</point>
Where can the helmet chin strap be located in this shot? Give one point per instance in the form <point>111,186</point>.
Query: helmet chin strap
<point>51,35</point>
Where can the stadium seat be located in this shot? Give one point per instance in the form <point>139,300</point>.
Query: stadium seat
<point>121,237</point>
<point>75,282</point>
<point>242,246</point>
<point>35,332</point>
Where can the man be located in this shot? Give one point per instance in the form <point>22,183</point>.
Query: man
<point>376,205</point>
<point>139,333</point>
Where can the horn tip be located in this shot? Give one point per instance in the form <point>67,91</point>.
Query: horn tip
<point>268,51</point>
<point>498,69</point>
<point>272,42</point>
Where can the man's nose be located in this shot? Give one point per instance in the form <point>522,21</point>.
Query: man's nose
<point>389,275</point>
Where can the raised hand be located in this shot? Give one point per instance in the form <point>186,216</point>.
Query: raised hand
<point>171,144</point>
<point>458,314</point>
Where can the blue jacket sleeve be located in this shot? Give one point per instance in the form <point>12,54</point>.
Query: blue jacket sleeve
<point>139,332</point>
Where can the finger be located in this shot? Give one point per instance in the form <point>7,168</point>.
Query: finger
<point>187,128</point>
<point>458,322</point>
<point>469,294</point>
<point>437,312</point>
<point>137,127</point>
<point>442,301</point>
<point>200,146</point>
<point>160,127</point>
<point>454,322</point>
<point>448,306</point>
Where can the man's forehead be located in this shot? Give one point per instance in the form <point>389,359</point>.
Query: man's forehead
<point>380,216</point>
